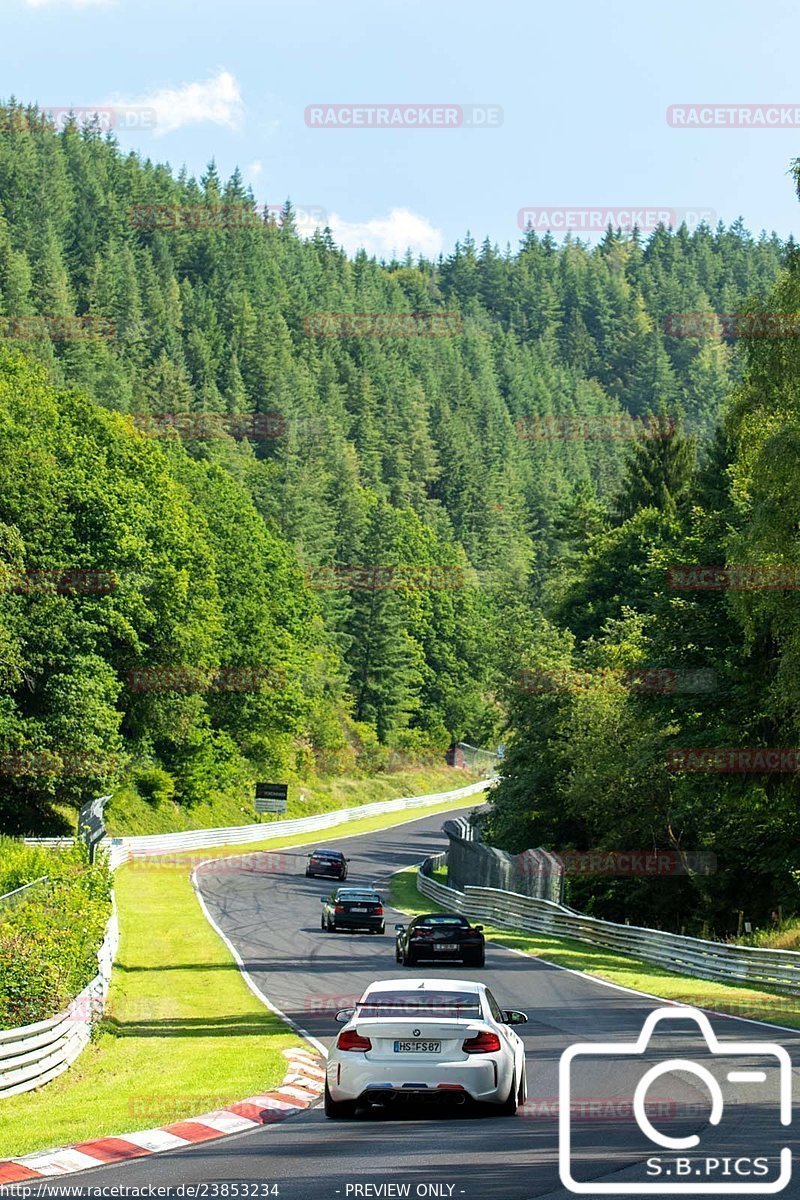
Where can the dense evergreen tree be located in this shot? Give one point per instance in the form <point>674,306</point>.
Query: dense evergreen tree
<point>447,457</point>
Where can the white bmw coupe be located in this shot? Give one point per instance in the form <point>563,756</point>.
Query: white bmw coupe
<point>426,1039</point>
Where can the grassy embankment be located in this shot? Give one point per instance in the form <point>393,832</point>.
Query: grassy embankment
<point>127,813</point>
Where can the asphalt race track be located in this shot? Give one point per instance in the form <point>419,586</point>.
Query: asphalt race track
<point>271,914</point>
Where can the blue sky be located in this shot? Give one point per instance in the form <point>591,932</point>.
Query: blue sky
<point>583,87</point>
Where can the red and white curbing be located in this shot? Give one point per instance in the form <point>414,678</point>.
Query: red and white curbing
<point>301,1086</point>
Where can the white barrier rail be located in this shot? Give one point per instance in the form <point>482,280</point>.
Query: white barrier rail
<point>121,850</point>
<point>777,970</point>
<point>34,1055</point>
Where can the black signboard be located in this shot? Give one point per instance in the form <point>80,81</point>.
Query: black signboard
<point>272,791</point>
<point>271,797</point>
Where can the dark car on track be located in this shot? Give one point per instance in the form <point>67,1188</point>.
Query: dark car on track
<point>440,936</point>
<point>353,908</point>
<point>331,863</point>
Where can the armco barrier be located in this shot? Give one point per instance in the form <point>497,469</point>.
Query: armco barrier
<point>35,1054</point>
<point>121,850</point>
<point>778,970</point>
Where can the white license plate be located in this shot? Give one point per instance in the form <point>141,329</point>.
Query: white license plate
<point>417,1047</point>
<point>445,946</point>
<point>354,909</point>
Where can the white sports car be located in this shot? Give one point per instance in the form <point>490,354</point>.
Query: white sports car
<point>427,1039</point>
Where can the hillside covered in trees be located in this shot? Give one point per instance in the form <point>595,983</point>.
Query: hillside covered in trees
<point>657,706</point>
<point>452,462</point>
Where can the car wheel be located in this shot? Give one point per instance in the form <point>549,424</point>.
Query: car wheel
<point>381,930</point>
<point>323,925</point>
<point>475,960</point>
<point>509,1106</point>
<point>338,1108</point>
<point>408,959</point>
<point>397,955</point>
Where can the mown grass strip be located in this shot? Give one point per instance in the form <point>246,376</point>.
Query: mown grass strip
<point>619,968</point>
<point>183,1033</point>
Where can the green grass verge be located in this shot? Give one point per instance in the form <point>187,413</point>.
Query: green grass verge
<point>128,814</point>
<point>183,1033</point>
<point>618,968</point>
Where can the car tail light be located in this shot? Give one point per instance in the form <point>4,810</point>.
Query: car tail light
<point>338,908</point>
<point>348,1039</point>
<point>378,910</point>
<point>482,1043</point>
<point>422,933</point>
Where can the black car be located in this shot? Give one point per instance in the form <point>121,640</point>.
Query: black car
<point>440,936</point>
<point>327,862</point>
<point>353,908</point>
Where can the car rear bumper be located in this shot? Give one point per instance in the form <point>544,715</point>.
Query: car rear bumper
<point>357,921</point>
<point>325,872</point>
<point>486,1078</point>
<point>428,954</point>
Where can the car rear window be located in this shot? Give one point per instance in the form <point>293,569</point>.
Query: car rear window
<point>436,920</point>
<point>333,855</point>
<point>420,1004</point>
<point>359,897</point>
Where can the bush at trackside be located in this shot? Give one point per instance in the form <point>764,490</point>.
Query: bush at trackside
<point>49,944</point>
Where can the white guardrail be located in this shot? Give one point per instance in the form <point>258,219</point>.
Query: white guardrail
<point>34,1055</point>
<point>121,850</point>
<point>778,970</point>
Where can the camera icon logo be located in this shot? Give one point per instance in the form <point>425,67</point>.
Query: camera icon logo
<point>674,1170</point>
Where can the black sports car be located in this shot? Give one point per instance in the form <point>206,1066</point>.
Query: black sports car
<point>327,862</point>
<point>440,935</point>
<point>353,908</point>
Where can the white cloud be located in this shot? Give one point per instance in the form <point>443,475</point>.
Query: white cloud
<point>253,170</point>
<point>385,237</point>
<point>69,3</point>
<point>218,101</point>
